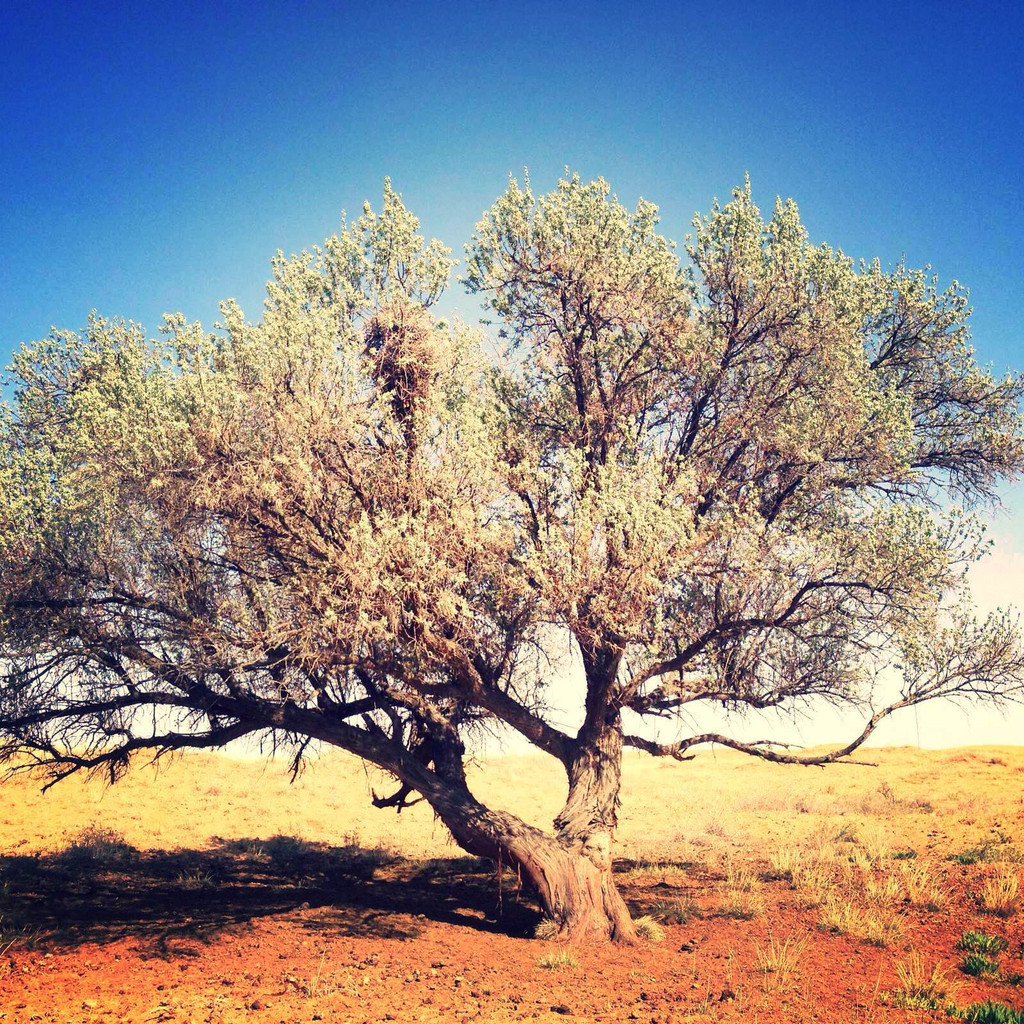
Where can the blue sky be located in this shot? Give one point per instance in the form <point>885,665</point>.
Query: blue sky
<point>154,157</point>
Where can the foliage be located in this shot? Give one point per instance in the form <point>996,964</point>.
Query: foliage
<point>990,1013</point>
<point>981,942</point>
<point>97,847</point>
<point>347,523</point>
<point>989,851</point>
<point>978,965</point>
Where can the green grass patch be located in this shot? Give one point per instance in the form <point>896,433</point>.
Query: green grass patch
<point>977,965</point>
<point>982,942</point>
<point>989,1013</point>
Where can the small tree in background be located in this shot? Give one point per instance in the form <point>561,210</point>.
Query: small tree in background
<point>345,523</point>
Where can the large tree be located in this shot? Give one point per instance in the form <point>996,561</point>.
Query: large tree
<point>353,523</point>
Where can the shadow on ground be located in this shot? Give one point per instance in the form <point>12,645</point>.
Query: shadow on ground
<point>100,890</point>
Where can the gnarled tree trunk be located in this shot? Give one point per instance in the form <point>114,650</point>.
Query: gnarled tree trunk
<point>586,824</point>
<point>573,879</point>
<point>571,871</point>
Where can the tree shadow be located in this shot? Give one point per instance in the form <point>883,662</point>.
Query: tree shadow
<point>100,890</point>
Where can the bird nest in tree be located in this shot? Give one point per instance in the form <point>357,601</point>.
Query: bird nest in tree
<point>403,340</point>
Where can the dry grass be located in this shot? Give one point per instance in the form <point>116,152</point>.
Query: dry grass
<point>681,910</point>
<point>559,960</point>
<point>742,906</point>
<point>881,928</point>
<point>922,886</point>
<point>739,877</point>
<point>845,845</point>
<point>648,928</point>
<point>786,862</point>
<point>999,891</point>
<point>921,988</point>
<point>835,849</point>
<point>779,961</point>
<point>330,803</point>
<point>844,916</point>
<point>882,890</point>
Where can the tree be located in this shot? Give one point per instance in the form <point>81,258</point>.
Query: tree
<point>347,524</point>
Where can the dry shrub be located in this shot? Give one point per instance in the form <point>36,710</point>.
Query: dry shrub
<point>714,827</point>
<point>97,847</point>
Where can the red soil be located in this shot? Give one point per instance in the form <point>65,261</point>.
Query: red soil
<point>218,937</point>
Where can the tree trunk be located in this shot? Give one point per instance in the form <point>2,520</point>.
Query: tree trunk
<point>586,824</point>
<point>574,884</point>
<point>579,894</point>
<point>571,871</point>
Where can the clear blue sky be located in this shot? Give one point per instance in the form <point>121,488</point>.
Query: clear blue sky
<point>155,156</point>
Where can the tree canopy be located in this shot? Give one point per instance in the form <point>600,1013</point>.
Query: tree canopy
<point>745,480</point>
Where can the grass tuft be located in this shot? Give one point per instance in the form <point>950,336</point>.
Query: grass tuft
<point>785,862</point>
<point>982,942</point>
<point>999,892</point>
<point>920,988</point>
<point>195,879</point>
<point>677,911</point>
<point>989,1013</point>
<point>779,960</point>
<point>648,928</point>
<point>977,965</point>
<point>741,906</point>
<point>875,925</point>
<point>559,960</point>
<point>923,889</point>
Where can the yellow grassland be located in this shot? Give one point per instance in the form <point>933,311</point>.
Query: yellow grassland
<point>721,805</point>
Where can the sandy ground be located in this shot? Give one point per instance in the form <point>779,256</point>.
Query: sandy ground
<point>212,890</point>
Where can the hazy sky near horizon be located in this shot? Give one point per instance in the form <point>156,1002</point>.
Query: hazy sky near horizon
<point>155,157</point>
